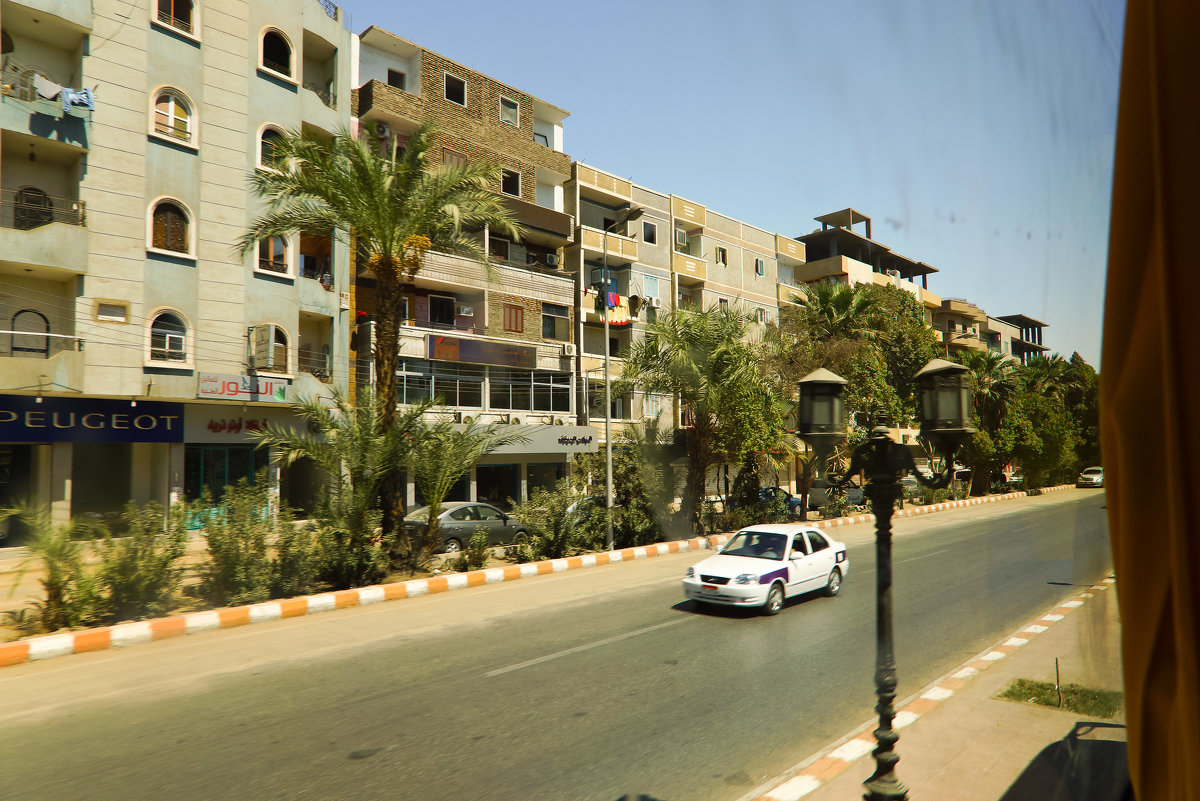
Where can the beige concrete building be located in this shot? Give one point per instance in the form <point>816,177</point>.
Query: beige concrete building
<point>498,351</point>
<point>136,347</point>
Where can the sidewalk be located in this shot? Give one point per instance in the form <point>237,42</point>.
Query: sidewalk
<point>960,743</point>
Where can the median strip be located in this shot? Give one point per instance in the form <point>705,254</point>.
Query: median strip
<point>127,634</point>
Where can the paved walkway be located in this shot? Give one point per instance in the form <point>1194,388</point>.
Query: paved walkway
<point>958,742</point>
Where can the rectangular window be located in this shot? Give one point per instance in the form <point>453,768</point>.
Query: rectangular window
<point>456,90</point>
<point>514,318</point>
<point>651,405</point>
<point>413,381</point>
<point>551,391</point>
<point>510,183</point>
<point>649,233</point>
<point>723,303</point>
<point>650,284</point>
<point>458,384</point>
<point>509,389</point>
<point>397,79</point>
<point>722,256</point>
<point>510,112</point>
<point>760,267</point>
<point>452,158</point>
<point>541,139</point>
<point>498,247</point>
<point>556,323</point>
<point>112,312</point>
<point>441,310</point>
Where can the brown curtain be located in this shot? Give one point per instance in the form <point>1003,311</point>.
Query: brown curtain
<point>1149,385</point>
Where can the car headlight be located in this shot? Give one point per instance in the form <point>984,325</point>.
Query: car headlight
<point>746,578</point>
<point>691,573</point>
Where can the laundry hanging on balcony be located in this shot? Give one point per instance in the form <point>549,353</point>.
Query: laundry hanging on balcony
<point>46,88</point>
<point>77,97</point>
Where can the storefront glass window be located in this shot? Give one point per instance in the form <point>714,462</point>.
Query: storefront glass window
<point>498,484</point>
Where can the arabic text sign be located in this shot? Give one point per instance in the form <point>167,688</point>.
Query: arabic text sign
<point>243,388</point>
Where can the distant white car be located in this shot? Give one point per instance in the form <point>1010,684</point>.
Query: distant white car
<point>762,566</point>
<point>1091,477</point>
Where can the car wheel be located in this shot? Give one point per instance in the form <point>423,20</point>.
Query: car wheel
<point>453,545</point>
<point>520,533</point>
<point>774,602</point>
<point>834,585</point>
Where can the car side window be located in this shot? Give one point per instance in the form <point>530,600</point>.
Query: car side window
<point>487,513</point>
<point>461,514</point>
<point>798,545</point>
<point>819,543</point>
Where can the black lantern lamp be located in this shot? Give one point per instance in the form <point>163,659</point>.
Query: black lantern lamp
<point>945,399</point>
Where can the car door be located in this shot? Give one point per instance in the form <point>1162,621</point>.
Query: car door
<point>798,565</point>
<point>492,523</point>
<point>806,567</point>
<point>821,559</point>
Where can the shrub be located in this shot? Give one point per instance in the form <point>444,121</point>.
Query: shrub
<point>474,557</point>
<point>237,569</point>
<point>139,573</point>
<point>297,561</point>
<point>353,557</point>
<point>926,496</point>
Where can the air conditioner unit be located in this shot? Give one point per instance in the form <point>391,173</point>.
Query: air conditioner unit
<point>558,421</point>
<point>468,419</point>
<point>457,417</point>
<point>681,238</point>
<point>569,349</point>
<point>654,303</point>
<point>466,311</point>
<point>383,130</point>
<point>551,259</point>
<point>513,420</point>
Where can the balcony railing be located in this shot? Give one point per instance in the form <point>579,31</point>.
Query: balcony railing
<point>330,8</point>
<point>167,17</point>
<point>19,82</point>
<point>315,364</point>
<point>326,94</point>
<point>37,344</point>
<point>26,209</point>
<point>469,328</point>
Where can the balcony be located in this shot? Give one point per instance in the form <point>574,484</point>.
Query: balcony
<point>789,251</point>
<point>621,249</point>
<point>24,111</point>
<point>602,187</point>
<point>690,269</point>
<point>692,215</point>
<point>36,360</point>
<point>543,226</point>
<point>43,231</point>
<point>964,308</point>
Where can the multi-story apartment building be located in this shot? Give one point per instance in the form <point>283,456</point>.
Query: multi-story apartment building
<point>137,348</point>
<point>496,349</point>
<point>670,253</point>
<point>1022,334</point>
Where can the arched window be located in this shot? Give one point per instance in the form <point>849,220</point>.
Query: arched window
<point>29,335</point>
<point>277,53</point>
<point>272,254</point>
<point>173,116</point>
<point>176,13</point>
<point>169,229</point>
<point>279,353</point>
<point>267,155</point>
<point>32,208</point>
<point>168,338</point>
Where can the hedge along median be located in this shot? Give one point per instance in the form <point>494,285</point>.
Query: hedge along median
<point>137,632</point>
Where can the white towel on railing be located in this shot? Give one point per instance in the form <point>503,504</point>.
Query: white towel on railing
<point>46,87</point>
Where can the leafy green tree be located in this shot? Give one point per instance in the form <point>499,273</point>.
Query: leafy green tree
<point>440,455</point>
<point>1045,445</point>
<point>393,211</point>
<point>993,384</point>
<point>357,456</point>
<point>1082,400</point>
<point>905,345</point>
<point>705,359</point>
<point>842,312</point>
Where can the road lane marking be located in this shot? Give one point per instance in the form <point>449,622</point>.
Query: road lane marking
<point>922,556</point>
<point>587,647</point>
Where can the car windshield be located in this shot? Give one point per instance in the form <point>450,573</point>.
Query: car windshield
<point>758,544</point>
<point>1093,471</point>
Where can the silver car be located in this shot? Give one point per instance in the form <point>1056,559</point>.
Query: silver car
<point>1091,477</point>
<point>461,520</point>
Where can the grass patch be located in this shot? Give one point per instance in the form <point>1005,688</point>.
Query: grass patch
<point>1081,700</point>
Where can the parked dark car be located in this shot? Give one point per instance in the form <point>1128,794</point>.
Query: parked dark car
<point>459,521</point>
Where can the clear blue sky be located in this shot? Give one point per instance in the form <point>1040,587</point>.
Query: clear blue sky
<point>977,135</point>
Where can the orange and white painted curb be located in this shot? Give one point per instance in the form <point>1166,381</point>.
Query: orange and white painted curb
<point>125,634</point>
<point>818,770</point>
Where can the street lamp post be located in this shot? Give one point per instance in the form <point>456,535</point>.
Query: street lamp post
<point>624,216</point>
<point>945,396</point>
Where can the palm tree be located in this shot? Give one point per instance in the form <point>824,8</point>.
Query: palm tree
<point>993,384</point>
<point>393,211</point>
<point>841,311</point>
<point>1049,376</point>
<point>441,454</point>
<point>357,459</point>
<point>703,358</point>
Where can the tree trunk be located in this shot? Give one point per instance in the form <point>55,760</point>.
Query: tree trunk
<point>387,345</point>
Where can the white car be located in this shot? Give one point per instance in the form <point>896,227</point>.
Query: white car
<point>764,565</point>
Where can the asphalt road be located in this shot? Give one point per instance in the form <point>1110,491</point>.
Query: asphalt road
<point>584,686</point>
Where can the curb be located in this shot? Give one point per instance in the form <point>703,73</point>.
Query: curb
<point>123,635</point>
<point>819,769</point>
